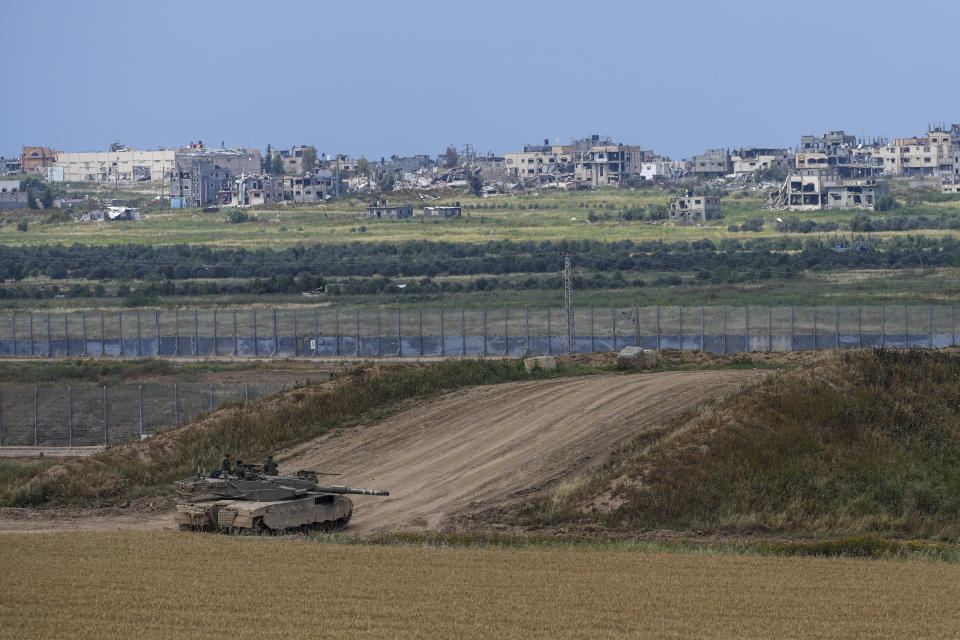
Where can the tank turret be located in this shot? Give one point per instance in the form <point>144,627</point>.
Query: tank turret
<point>259,503</point>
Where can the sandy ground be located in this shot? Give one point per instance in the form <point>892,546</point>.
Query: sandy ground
<point>485,447</point>
<point>467,452</point>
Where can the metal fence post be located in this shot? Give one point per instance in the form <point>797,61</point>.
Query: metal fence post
<point>906,327</point>
<point>769,329</point>
<point>526,331</point>
<point>66,336</point>
<point>443,339</point>
<point>815,345</point>
<point>140,408</point>
<point>701,331</point>
<point>549,334</point>
<point>463,332</point>
<point>336,325</point>
<point>156,329</point>
<point>929,327</point>
<point>859,328</point>
<point>883,329</point>
<point>723,330</point>
<point>793,346</point>
<point>210,389</point>
<point>50,338</point>
<point>420,331</point>
<point>120,330</point>
<point>953,326</point>
<point>399,336</point>
<point>196,331</point>
<point>379,334</point>
<point>836,327</point>
<point>83,331</point>
<point>176,331</point>
<point>103,337</point>
<point>592,332</point>
<point>296,340</point>
<point>316,334</point>
<point>215,332</point>
<point>636,324</point>
<point>681,327</point>
<point>176,404</point>
<point>13,326</point>
<point>357,327</point>
<point>276,341</point>
<point>235,343</point>
<point>69,416</point>
<point>613,326</point>
<point>506,332</point>
<point>483,321</point>
<point>256,346</point>
<point>246,393</point>
<point>36,425</point>
<point>746,334</point>
<point>31,333</point>
<point>105,431</point>
<point>139,338</point>
<point>658,327</point>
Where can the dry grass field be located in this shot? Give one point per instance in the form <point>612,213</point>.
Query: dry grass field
<point>160,585</point>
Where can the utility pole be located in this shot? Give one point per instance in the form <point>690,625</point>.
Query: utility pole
<point>568,302</point>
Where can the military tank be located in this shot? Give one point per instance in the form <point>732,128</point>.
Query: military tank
<point>252,502</point>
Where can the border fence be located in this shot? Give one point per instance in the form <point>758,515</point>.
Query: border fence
<point>330,332</point>
<point>87,415</point>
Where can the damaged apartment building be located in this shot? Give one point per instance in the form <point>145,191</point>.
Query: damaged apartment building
<point>200,174</point>
<point>815,189</point>
<point>692,208</point>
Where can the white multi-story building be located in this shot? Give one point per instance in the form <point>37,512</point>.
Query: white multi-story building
<point>126,165</point>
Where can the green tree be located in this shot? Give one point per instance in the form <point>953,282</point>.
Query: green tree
<point>267,164</point>
<point>451,156</point>
<point>363,166</point>
<point>386,181</point>
<point>277,165</point>
<point>309,159</point>
<point>476,184</point>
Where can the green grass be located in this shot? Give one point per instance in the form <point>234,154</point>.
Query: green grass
<point>546,215</point>
<point>865,443</point>
<point>850,547</point>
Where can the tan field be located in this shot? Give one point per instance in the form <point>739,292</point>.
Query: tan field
<point>148,585</point>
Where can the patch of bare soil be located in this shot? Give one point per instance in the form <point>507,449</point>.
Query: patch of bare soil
<point>482,449</point>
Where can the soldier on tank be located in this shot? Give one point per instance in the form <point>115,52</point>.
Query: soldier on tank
<point>270,467</point>
<point>240,471</point>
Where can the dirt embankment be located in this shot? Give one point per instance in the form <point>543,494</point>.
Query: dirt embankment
<point>489,447</point>
<point>467,452</point>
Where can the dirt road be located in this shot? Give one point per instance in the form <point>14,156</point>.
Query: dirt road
<point>469,451</point>
<point>485,447</point>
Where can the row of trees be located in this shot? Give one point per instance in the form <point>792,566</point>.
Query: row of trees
<point>428,259</point>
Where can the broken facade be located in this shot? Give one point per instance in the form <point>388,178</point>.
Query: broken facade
<point>694,208</point>
<point>248,191</point>
<point>610,165</point>
<point>443,211</point>
<point>813,190</point>
<point>751,160</point>
<point>713,162</point>
<point>125,165</point>
<point>37,159</point>
<point>381,209</point>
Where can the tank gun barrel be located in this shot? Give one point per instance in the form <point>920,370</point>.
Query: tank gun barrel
<point>339,488</point>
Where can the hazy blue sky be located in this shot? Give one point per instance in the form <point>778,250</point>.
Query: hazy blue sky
<point>378,78</point>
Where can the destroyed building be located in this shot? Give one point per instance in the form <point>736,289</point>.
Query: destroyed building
<point>380,209</point>
<point>10,166</point>
<point>294,160</point>
<point>711,163</point>
<point>443,211</point>
<point>247,191</point>
<point>201,174</point>
<point>11,197</point>
<point>692,208</point>
<point>408,164</point>
<point>313,187</point>
<point>816,189</point>
<point>753,159</point>
<point>664,169</point>
<point>37,159</point>
<point>539,160</point>
<point>933,155</point>
<point>610,165</point>
<point>122,165</point>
